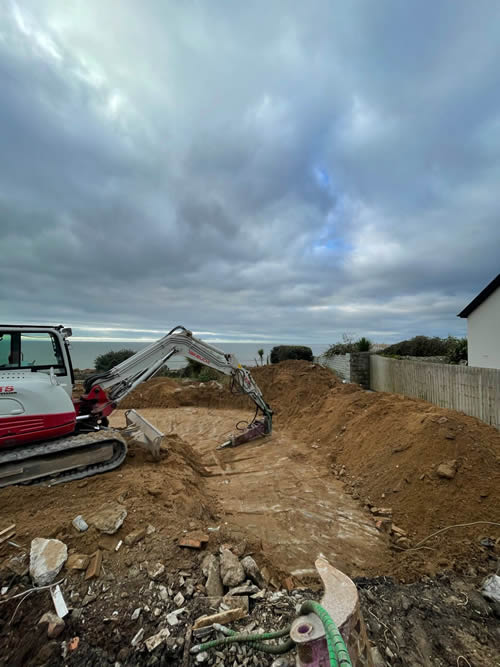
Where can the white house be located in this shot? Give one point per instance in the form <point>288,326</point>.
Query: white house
<point>483,327</point>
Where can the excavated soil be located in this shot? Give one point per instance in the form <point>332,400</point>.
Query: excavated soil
<point>386,448</point>
<point>337,453</point>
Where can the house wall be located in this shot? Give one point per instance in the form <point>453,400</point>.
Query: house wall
<point>483,333</point>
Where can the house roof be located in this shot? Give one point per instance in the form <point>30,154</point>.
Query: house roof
<point>482,296</point>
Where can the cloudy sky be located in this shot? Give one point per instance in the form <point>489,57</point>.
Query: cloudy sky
<point>282,171</point>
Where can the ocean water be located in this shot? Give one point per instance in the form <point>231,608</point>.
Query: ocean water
<point>84,353</point>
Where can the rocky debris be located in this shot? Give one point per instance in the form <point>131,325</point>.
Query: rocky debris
<point>80,524</point>
<point>155,570</point>
<point>137,638</point>
<point>136,613</point>
<point>135,536</point>
<point>252,571</point>
<point>222,617</point>
<point>211,570</point>
<point>109,517</point>
<point>55,625</point>
<point>18,564</point>
<point>179,599</point>
<point>157,639</point>
<point>248,589</point>
<point>447,470</point>
<point>77,562</point>
<point>46,560</point>
<point>491,588</point>
<point>231,570</point>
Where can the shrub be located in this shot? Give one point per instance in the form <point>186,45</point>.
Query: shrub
<point>110,359</point>
<point>457,349</point>
<point>208,374</point>
<point>419,346</point>
<point>361,345</point>
<point>284,352</point>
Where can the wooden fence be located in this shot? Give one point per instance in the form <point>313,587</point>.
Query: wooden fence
<point>475,391</point>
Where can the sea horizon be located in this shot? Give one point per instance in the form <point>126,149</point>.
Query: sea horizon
<point>84,353</point>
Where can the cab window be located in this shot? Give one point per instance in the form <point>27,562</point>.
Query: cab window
<point>38,351</point>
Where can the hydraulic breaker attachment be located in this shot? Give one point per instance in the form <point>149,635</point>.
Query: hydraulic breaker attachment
<point>257,429</point>
<point>143,433</point>
<point>341,601</point>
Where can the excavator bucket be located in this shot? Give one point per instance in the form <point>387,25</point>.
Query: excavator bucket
<point>143,433</point>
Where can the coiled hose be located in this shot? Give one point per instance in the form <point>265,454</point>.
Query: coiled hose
<point>337,650</point>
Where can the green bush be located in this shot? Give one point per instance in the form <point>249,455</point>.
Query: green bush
<point>419,346</point>
<point>284,352</point>
<point>110,359</point>
<point>361,345</point>
<point>208,374</point>
<point>457,349</point>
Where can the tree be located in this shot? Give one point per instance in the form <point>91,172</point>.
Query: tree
<point>261,355</point>
<point>112,358</point>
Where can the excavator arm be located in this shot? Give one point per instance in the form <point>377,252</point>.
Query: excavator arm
<point>104,391</point>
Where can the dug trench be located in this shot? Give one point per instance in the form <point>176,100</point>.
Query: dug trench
<point>362,478</point>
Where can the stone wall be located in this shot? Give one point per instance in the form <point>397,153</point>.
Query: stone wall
<point>339,364</point>
<point>360,368</point>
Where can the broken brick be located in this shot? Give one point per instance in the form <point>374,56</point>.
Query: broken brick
<point>190,543</point>
<point>94,568</point>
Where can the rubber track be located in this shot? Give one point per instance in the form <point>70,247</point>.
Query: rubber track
<point>20,454</point>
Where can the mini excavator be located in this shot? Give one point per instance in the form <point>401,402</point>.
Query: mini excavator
<point>48,436</point>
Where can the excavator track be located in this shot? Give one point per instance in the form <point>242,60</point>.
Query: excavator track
<point>63,460</point>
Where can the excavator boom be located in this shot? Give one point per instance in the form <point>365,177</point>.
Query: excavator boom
<point>47,436</point>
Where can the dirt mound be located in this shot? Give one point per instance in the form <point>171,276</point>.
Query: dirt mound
<point>389,450</point>
<point>170,495</point>
<point>289,387</point>
<point>386,447</point>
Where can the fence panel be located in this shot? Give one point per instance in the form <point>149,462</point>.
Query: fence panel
<point>475,391</point>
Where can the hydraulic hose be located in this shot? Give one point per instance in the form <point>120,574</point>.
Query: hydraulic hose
<point>255,640</point>
<point>337,650</point>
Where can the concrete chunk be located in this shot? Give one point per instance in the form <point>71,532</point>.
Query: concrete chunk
<point>252,571</point>
<point>109,517</point>
<point>232,572</point>
<point>46,560</point>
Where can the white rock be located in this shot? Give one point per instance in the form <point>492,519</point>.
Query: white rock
<point>231,570</point>
<point>163,593</point>
<point>179,599</point>
<point>137,637</point>
<point>46,560</point>
<point>155,570</point>
<point>157,639</point>
<point>136,613</point>
<point>491,588</point>
<point>172,619</point>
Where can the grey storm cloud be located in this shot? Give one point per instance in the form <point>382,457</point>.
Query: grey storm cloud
<point>284,169</point>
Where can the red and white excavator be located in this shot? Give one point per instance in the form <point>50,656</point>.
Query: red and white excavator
<point>47,436</point>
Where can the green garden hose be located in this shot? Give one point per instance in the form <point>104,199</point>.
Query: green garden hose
<point>337,650</point>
